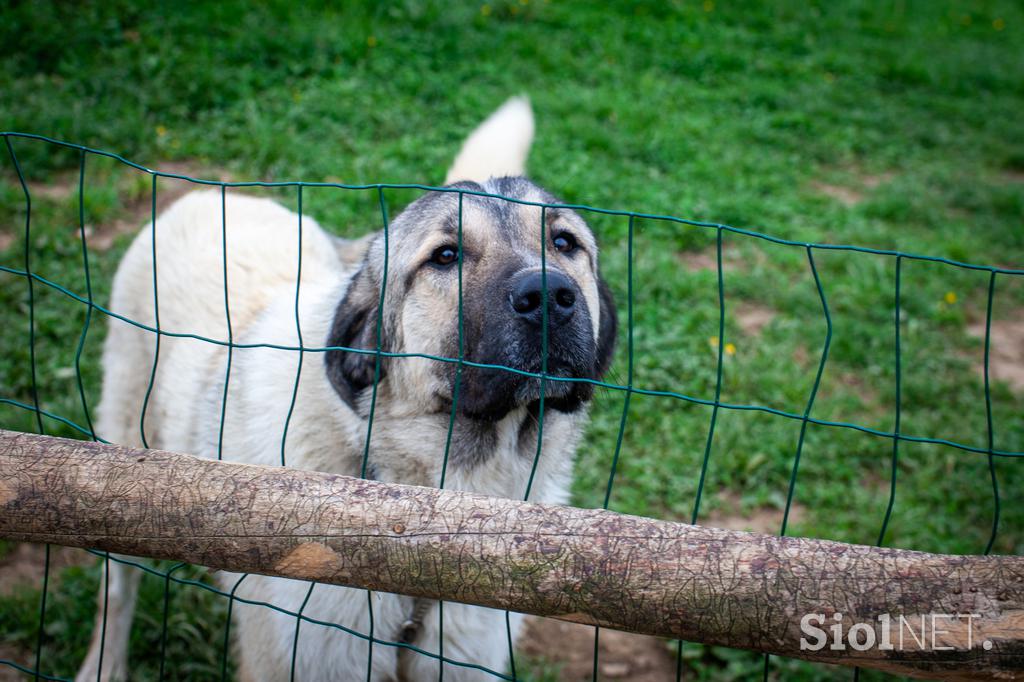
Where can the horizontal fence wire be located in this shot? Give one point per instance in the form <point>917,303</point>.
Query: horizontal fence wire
<point>469,192</point>
<point>31,278</point>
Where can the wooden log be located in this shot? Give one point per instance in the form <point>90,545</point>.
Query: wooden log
<point>949,617</point>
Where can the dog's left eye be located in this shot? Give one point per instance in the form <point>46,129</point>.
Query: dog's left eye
<point>564,242</point>
<point>444,255</point>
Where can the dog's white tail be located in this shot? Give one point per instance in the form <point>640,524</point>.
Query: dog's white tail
<point>499,146</point>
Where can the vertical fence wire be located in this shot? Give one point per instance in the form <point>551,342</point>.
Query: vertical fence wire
<point>31,289</point>
<point>142,428</point>
<point>625,405</point>
<point>542,389</point>
<point>142,417</point>
<point>814,389</point>
<point>156,316</point>
<point>34,385</point>
<point>718,380</point>
<point>224,408</point>
<point>369,636</point>
<point>898,399</point>
<point>166,611</point>
<point>298,624</point>
<point>988,414</point>
<point>106,612</point>
<point>227,320</point>
<point>377,333</point>
<point>78,361</point>
<point>373,397</point>
<point>298,335</point>
<point>88,293</point>
<point>898,362</point>
<point>291,410</point>
<point>807,410</point>
<point>719,364</point>
<point>457,385</point>
<point>543,348</point>
<point>227,629</point>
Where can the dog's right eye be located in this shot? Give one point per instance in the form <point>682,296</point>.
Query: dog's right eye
<point>444,255</point>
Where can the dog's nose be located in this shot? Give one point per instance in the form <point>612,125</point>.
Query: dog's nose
<point>527,290</point>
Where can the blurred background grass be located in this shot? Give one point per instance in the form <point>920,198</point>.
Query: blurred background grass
<point>892,125</point>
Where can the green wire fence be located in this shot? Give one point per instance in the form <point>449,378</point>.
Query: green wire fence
<point>805,418</point>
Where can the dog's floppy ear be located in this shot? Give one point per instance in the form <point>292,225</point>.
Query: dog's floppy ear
<point>606,331</point>
<point>354,326</point>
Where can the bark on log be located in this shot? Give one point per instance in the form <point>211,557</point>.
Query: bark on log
<point>674,580</point>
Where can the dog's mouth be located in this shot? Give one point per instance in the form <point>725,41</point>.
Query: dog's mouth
<point>523,368</point>
<point>553,385</point>
<point>489,394</point>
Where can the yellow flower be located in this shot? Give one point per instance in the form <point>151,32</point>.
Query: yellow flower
<point>485,10</point>
<point>999,24</point>
<point>950,297</point>
<point>730,349</point>
<point>371,41</point>
<point>161,131</point>
<point>713,342</point>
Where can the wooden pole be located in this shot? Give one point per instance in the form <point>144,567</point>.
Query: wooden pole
<point>950,617</point>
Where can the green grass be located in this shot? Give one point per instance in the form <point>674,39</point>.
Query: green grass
<point>709,111</point>
<point>195,624</point>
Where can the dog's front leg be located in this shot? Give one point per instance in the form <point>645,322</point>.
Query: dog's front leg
<point>107,660</point>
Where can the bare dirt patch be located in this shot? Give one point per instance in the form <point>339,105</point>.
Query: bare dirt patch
<point>855,194</point>
<point>731,516</point>
<point>873,404</point>
<point>1014,175</point>
<point>753,317</point>
<point>23,566</point>
<point>62,186</point>
<point>1006,349</point>
<point>621,655</point>
<point>138,212</point>
<point>871,181</point>
<point>707,259</point>
<point>847,196</point>
<point>9,652</point>
<point>801,356</point>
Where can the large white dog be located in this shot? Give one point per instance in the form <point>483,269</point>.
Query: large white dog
<point>494,439</point>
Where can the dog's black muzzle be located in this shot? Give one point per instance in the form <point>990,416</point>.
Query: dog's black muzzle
<point>511,333</point>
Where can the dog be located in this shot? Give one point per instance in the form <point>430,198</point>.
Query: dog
<point>335,303</point>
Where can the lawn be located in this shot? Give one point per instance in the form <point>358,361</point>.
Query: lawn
<point>886,125</point>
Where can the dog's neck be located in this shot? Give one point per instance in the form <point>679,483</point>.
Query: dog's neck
<point>505,458</point>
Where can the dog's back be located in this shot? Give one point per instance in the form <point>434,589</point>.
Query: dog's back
<point>255,246</point>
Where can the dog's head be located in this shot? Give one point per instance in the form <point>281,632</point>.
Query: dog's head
<point>504,313</point>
